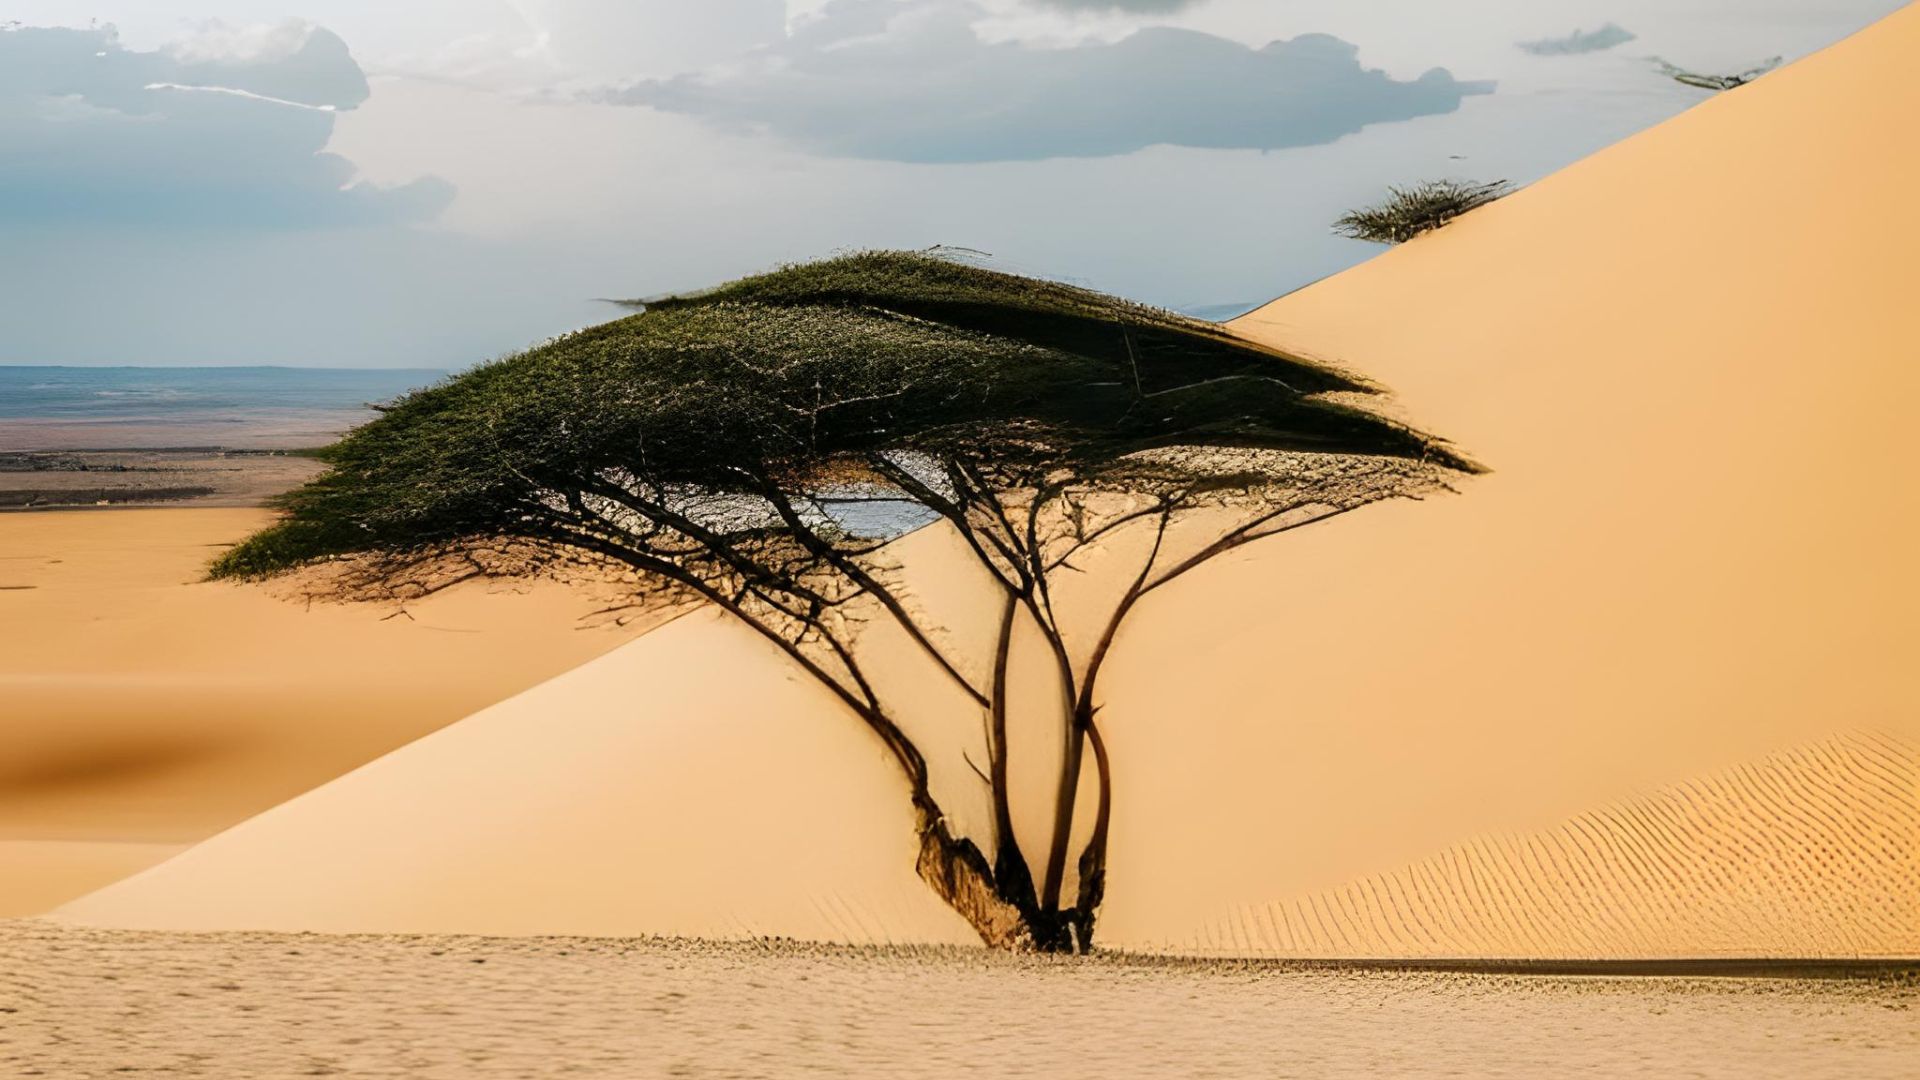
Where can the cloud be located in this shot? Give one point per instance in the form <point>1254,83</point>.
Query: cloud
<point>228,127</point>
<point>1580,41</point>
<point>248,94</point>
<point>608,39</point>
<point>915,82</point>
<point>1131,7</point>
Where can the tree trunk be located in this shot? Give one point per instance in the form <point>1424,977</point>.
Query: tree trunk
<point>959,874</point>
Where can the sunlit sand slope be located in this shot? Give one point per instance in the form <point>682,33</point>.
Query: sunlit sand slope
<point>1810,853</point>
<point>1689,362</point>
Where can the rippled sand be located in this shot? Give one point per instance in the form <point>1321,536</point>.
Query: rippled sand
<point>89,1003</point>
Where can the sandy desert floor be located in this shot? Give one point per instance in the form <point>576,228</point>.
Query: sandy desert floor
<point>88,1003</point>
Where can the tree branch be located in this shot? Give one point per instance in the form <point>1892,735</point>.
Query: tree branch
<point>859,575</point>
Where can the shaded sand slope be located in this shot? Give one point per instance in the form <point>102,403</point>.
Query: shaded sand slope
<point>688,783</point>
<point>140,711</point>
<point>623,797</point>
<point>1645,690</point>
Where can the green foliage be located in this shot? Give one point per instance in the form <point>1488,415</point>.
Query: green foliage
<point>1408,212</point>
<point>797,373</point>
<point>1043,313</point>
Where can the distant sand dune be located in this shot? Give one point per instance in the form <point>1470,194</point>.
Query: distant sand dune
<point>142,709</point>
<point>1815,852</point>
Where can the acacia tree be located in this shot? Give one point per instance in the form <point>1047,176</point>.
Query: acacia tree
<point>759,447</point>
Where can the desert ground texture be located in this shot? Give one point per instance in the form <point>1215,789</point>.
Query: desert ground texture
<point>84,1003</point>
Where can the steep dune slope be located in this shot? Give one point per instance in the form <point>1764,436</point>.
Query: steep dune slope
<point>1644,690</point>
<point>1689,363</point>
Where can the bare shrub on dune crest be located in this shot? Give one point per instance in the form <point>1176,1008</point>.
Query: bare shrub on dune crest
<point>1408,212</point>
<point>1706,81</point>
<point>758,448</point>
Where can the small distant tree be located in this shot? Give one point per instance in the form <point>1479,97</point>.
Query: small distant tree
<point>1707,81</point>
<point>1408,212</point>
<point>757,448</point>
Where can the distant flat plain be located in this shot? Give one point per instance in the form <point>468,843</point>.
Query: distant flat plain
<point>141,436</point>
<point>206,477</point>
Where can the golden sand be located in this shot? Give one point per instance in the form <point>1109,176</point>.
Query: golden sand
<point>142,710</point>
<point>433,1008</point>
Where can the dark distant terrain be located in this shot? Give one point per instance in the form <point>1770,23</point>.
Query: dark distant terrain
<point>49,480</point>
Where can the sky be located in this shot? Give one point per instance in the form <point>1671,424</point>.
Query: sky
<point>432,183</point>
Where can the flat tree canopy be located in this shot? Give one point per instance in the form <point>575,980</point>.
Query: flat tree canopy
<point>797,369</point>
<point>757,446</point>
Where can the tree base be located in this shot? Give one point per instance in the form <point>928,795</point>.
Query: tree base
<point>958,872</point>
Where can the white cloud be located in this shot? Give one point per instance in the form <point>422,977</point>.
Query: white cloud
<point>229,131</point>
<point>531,46</point>
<point>1132,7</point>
<point>234,92</point>
<point>214,42</point>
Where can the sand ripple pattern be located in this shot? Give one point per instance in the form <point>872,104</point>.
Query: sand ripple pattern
<point>1811,853</point>
<point>85,1003</point>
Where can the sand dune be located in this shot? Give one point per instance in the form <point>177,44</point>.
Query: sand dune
<point>1659,658</point>
<point>685,784</point>
<point>141,711</point>
<point>1805,854</point>
<point>40,875</point>
<point>1687,361</point>
<point>621,798</point>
